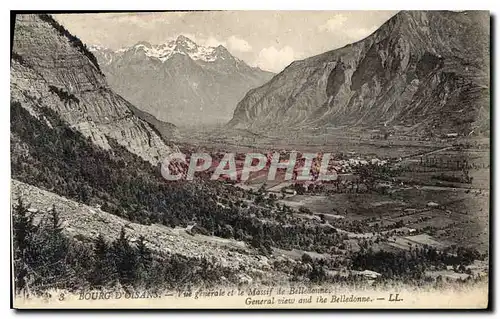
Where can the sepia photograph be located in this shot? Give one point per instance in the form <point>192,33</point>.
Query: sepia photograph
<point>250,159</point>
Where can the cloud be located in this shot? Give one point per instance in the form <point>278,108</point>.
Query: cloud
<point>237,44</point>
<point>233,43</point>
<point>190,36</point>
<point>360,33</point>
<point>143,20</point>
<point>334,23</point>
<point>212,42</point>
<point>275,60</point>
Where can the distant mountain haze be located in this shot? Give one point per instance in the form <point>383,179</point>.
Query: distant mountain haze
<point>424,72</point>
<point>180,81</point>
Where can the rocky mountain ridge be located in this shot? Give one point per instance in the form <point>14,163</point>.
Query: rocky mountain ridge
<point>424,72</point>
<point>182,45</point>
<point>180,81</point>
<point>51,68</point>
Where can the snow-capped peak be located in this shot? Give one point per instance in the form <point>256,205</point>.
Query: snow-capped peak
<point>185,42</point>
<point>96,47</point>
<point>181,45</point>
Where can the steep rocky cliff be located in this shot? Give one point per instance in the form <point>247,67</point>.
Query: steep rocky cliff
<point>180,81</point>
<point>51,68</point>
<point>424,72</point>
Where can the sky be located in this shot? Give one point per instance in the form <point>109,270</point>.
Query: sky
<point>268,39</point>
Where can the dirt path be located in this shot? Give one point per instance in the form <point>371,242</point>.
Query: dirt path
<point>428,153</point>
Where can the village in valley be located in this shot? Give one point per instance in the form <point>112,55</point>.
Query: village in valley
<point>426,195</point>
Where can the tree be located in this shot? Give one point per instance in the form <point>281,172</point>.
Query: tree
<point>23,229</point>
<point>317,274</point>
<point>322,217</point>
<point>44,258</point>
<point>306,258</point>
<point>283,192</point>
<point>262,188</point>
<point>103,270</point>
<point>52,248</point>
<point>144,255</point>
<point>144,260</point>
<point>55,221</point>
<point>125,259</point>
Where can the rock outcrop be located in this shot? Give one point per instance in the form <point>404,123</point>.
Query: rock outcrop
<point>51,68</point>
<point>422,71</point>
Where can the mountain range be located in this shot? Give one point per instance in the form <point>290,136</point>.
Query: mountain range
<point>180,81</point>
<point>421,72</point>
<point>85,160</point>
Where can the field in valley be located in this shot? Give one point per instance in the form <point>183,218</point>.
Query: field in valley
<point>441,187</point>
<point>438,197</point>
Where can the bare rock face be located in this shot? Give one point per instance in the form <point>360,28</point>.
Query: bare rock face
<point>51,68</point>
<point>427,72</point>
